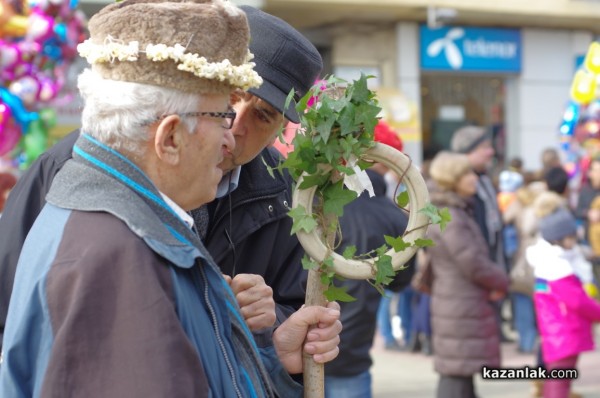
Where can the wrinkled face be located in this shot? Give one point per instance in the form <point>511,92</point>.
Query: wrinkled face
<point>467,185</point>
<point>256,125</point>
<point>204,150</point>
<point>481,156</point>
<point>594,174</point>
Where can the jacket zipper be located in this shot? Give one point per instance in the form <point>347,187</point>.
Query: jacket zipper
<point>218,334</point>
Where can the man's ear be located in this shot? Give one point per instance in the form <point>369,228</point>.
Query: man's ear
<point>169,140</point>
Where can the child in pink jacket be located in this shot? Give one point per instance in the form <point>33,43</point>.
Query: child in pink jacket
<point>565,313</point>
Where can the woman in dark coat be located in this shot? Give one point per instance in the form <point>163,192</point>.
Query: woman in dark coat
<point>465,333</point>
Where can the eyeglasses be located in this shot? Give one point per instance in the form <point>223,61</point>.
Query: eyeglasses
<point>228,117</point>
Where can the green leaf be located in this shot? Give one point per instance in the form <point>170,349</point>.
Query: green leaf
<point>289,98</point>
<point>312,180</point>
<point>336,197</point>
<point>385,271</point>
<point>361,91</point>
<point>398,244</point>
<point>349,252</point>
<point>402,199</point>
<point>432,212</point>
<point>302,221</point>
<point>445,216</point>
<point>424,242</point>
<point>334,293</point>
<point>308,263</point>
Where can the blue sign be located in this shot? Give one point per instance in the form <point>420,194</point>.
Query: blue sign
<point>471,49</point>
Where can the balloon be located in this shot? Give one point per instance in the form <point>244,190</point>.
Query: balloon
<point>10,54</point>
<point>592,58</point>
<point>48,117</point>
<point>40,26</point>
<point>21,115</point>
<point>583,88</point>
<point>35,141</point>
<point>26,88</point>
<point>9,136</point>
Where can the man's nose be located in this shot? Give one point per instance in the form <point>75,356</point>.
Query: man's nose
<point>228,140</point>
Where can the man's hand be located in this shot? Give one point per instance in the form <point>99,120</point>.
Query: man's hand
<point>255,299</point>
<point>321,341</point>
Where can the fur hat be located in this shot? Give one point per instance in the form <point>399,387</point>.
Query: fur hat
<point>284,58</point>
<point>194,46</point>
<point>467,138</point>
<point>448,167</point>
<point>558,225</point>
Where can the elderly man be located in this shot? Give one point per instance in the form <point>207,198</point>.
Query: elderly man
<point>114,293</point>
<point>246,231</point>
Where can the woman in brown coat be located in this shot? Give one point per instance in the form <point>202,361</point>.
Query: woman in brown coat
<point>465,330</point>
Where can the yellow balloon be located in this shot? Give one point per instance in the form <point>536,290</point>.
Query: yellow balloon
<point>16,26</point>
<point>592,58</point>
<point>583,88</point>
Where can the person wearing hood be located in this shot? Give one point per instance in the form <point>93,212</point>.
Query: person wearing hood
<point>466,282</point>
<point>564,311</point>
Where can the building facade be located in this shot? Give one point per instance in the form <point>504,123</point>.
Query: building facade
<point>507,65</point>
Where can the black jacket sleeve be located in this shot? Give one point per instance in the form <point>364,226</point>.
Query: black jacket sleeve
<point>22,208</point>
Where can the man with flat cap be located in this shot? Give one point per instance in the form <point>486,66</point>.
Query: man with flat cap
<point>115,295</point>
<point>246,230</point>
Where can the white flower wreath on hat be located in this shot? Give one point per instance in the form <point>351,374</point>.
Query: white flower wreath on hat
<point>242,76</point>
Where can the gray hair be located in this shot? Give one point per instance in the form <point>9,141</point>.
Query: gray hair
<point>118,113</point>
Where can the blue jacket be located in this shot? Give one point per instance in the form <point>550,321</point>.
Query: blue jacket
<point>116,296</point>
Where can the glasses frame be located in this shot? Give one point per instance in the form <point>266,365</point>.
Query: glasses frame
<point>228,117</point>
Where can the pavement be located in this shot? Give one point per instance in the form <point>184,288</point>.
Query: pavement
<point>408,375</point>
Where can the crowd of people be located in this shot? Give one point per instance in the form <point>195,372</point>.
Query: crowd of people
<point>149,253</point>
<point>522,241</point>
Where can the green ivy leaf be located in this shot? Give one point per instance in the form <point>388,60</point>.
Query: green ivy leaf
<point>349,252</point>
<point>336,197</point>
<point>424,242</point>
<point>398,244</point>
<point>385,271</point>
<point>445,217</point>
<point>312,180</point>
<point>301,220</point>
<point>308,263</point>
<point>334,293</point>
<point>432,212</point>
<point>402,199</point>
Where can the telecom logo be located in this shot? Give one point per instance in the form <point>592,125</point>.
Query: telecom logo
<point>472,48</point>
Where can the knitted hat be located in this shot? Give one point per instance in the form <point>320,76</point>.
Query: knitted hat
<point>510,181</point>
<point>467,138</point>
<point>448,167</point>
<point>284,58</point>
<point>194,46</point>
<point>558,225</point>
<point>386,135</point>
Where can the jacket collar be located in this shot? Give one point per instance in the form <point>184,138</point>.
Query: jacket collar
<point>98,178</point>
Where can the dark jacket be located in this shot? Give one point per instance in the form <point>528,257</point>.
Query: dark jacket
<point>364,224</point>
<point>109,271</point>
<point>465,331</point>
<point>259,228</point>
<point>261,236</point>
<point>587,194</point>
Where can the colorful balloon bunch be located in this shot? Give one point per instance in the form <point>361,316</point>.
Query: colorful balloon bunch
<point>38,42</point>
<point>580,127</point>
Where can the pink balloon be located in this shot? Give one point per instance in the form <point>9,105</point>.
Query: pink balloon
<point>9,136</point>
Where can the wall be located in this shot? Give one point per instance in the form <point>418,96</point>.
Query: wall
<point>541,91</point>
